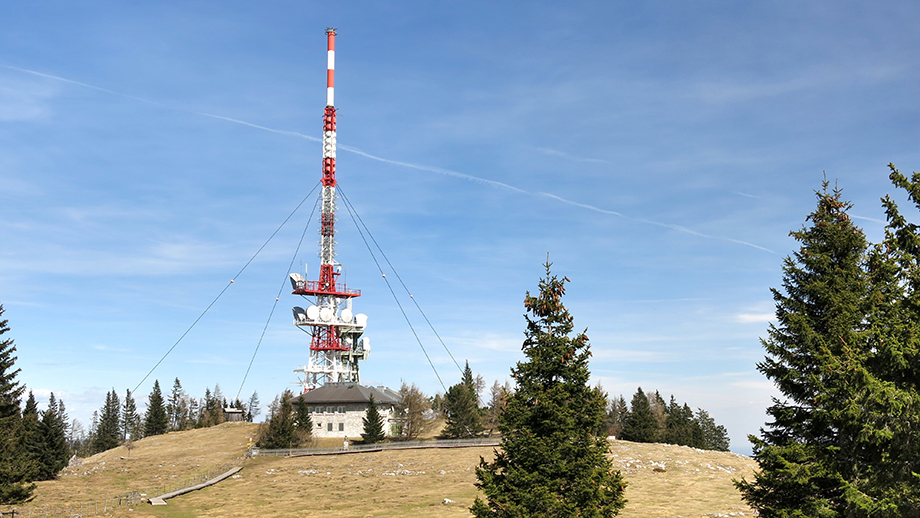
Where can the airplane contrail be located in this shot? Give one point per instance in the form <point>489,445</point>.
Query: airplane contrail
<point>432,169</point>
<point>85,85</point>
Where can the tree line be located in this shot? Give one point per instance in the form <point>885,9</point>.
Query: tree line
<point>649,419</point>
<point>120,421</point>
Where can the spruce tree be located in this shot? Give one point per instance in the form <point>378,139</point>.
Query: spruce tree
<point>10,389</point>
<point>130,420</point>
<point>17,467</point>
<point>679,424</point>
<point>280,432</point>
<point>54,434</point>
<point>205,409</point>
<point>194,409</point>
<point>883,457</point>
<point>712,436</point>
<point>550,462</point>
<point>462,409</point>
<point>816,357</point>
<point>107,434</point>
<point>216,409</point>
<point>31,437</point>
<point>177,407</point>
<point>373,423</point>
<point>303,423</point>
<point>617,413</point>
<point>156,421</point>
<point>640,425</point>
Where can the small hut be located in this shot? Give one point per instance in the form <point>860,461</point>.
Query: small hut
<point>232,415</point>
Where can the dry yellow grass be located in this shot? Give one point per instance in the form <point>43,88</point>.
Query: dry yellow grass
<point>665,481</point>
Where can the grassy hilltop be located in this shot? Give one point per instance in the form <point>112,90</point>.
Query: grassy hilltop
<point>664,480</point>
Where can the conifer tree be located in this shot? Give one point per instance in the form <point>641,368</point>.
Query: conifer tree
<point>130,420</point>
<point>550,462</point>
<point>640,425</point>
<point>373,423</point>
<point>54,438</point>
<point>883,457</point>
<point>280,432</point>
<point>107,433</point>
<point>711,436</point>
<point>617,413</point>
<point>461,408</point>
<point>303,423</point>
<point>816,354</point>
<point>177,407</point>
<point>31,439</point>
<point>17,467</point>
<point>216,408</point>
<point>680,425</point>
<point>194,409</point>
<point>205,410</point>
<point>10,389</point>
<point>156,421</point>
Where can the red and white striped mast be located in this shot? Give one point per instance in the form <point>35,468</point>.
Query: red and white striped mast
<point>336,344</point>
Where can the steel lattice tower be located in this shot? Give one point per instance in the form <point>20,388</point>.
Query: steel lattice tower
<point>336,344</point>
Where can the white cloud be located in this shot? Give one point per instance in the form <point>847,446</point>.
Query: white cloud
<point>180,255</point>
<point>622,355</point>
<point>492,342</point>
<point>100,347</point>
<point>754,318</point>
<point>751,384</point>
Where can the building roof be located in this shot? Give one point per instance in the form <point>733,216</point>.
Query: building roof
<point>349,393</point>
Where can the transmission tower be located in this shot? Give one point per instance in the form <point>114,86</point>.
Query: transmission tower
<point>336,343</point>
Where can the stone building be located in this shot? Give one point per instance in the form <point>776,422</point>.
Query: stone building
<point>338,409</point>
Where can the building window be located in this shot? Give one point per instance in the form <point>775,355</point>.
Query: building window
<point>341,427</point>
<point>341,410</point>
<point>329,427</point>
<point>310,409</point>
<point>328,409</point>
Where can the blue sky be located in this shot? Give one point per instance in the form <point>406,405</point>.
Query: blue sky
<point>660,152</point>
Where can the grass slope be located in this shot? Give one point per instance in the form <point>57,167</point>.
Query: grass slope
<point>665,481</point>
